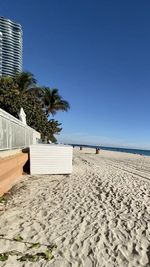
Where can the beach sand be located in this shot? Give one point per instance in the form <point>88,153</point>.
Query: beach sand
<point>97,216</point>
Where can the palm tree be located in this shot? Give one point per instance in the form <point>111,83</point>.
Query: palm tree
<point>55,126</point>
<point>25,81</point>
<point>37,102</point>
<point>53,102</point>
<point>21,82</point>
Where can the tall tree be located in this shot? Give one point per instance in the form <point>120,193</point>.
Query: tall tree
<point>25,81</point>
<point>53,102</point>
<point>22,91</point>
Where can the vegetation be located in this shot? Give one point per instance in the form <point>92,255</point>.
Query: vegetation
<point>47,254</point>
<point>53,102</point>
<point>39,103</point>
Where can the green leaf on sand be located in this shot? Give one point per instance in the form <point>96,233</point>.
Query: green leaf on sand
<point>35,245</point>
<point>3,199</point>
<point>48,255</point>
<point>29,257</point>
<point>3,257</point>
<point>18,238</point>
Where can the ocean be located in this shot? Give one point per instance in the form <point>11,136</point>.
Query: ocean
<point>127,150</point>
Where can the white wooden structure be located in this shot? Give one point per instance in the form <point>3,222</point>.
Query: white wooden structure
<point>22,116</point>
<point>50,159</point>
<point>15,133</point>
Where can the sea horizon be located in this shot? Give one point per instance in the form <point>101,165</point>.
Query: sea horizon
<point>145,152</point>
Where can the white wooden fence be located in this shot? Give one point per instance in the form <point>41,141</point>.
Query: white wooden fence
<point>14,133</point>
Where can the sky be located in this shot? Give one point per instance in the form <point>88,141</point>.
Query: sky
<point>97,53</point>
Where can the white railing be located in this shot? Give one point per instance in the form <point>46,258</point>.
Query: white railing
<point>14,133</point>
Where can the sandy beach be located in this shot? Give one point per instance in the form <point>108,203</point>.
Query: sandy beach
<point>98,216</point>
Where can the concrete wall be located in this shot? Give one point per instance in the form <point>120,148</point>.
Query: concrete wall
<point>11,170</point>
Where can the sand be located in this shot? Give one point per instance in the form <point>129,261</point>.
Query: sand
<point>98,216</point>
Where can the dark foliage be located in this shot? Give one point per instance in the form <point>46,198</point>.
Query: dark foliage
<point>22,91</point>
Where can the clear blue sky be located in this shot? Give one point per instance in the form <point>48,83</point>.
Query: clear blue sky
<point>98,54</point>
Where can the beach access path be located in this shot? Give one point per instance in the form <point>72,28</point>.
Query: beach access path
<point>97,216</point>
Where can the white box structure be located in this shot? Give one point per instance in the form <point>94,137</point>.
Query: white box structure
<point>50,159</point>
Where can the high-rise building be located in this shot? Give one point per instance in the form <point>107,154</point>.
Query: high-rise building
<point>0,54</point>
<point>10,47</point>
